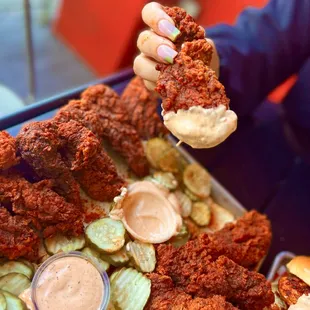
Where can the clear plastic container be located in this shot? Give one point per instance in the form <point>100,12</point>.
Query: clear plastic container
<point>93,261</point>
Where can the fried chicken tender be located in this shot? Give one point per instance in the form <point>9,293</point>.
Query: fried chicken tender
<point>40,204</point>
<point>190,82</point>
<point>81,145</point>
<point>246,242</point>
<point>17,238</point>
<point>189,30</point>
<point>8,156</point>
<point>164,296</point>
<point>201,269</point>
<point>140,105</point>
<point>100,179</point>
<point>39,145</point>
<point>291,288</point>
<point>106,99</point>
<point>122,136</point>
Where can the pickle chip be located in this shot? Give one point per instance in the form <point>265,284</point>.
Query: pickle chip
<point>106,235</point>
<point>14,283</point>
<point>197,180</point>
<point>96,255</point>
<point>220,217</point>
<point>166,179</point>
<point>201,213</point>
<point>62,243</point>
<point>3,305</point>
<point>130,289</point>
<point>17,267</point>
<point>185,203</point>
<point>170,161</point>
<point>117,259</point>
<point>190,195</point>
<point>142,255</point>
<point>155,148</point>
<point>181,238</point>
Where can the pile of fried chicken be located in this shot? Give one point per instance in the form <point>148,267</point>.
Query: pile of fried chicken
<point>44,168</point>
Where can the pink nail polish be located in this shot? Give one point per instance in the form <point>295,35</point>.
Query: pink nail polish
<point>168,29</point>
<point>166,53</point>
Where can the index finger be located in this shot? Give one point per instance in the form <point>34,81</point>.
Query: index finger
<point>155,17</point>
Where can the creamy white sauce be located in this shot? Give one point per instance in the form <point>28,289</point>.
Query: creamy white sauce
<point>69,283</point>
<point>148,213</point>
<point>200,127</point>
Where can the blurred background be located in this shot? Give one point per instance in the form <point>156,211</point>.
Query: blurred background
<point>49,46</point>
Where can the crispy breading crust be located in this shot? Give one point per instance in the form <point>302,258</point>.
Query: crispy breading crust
<point>8,157</point>
<point>291,288</point>
<point>40,204</point>
<point>165,296</point>
<point>141,105</point>
<point>17,239</point>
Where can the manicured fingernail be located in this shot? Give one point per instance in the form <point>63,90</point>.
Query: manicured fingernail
<point>168,29</point>
<point>166,53</point>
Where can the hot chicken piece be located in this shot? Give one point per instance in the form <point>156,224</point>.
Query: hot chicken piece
<point>294,286</point>
<point>195,106</point>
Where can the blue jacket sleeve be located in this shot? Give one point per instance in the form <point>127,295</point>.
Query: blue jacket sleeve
<point>263,49</point>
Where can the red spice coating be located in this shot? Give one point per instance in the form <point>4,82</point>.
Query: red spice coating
<point>189,82</point>
<point>8,156</point>
<point>189,29</point>
<point>141,104</point>
<point>17,239</point>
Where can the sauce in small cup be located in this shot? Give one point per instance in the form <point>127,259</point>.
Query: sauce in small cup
<point>70,281</point>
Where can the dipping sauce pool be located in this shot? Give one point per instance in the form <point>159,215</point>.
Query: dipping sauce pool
<point>70,281</point>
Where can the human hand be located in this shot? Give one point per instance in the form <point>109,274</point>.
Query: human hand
<point>156,44</point>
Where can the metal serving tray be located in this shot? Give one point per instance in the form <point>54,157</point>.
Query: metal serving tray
<point>47,108</point>
<point>278,266</point>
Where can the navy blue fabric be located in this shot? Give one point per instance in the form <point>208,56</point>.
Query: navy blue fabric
<point>264,48</point>
<point>258,53</point>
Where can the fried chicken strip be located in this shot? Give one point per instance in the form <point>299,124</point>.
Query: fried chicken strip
<point>17,239</point>
<point>40,204</point>
<point>200,268</point>
<point>189,29</point>
<point>164,296</point>
<point>189,81</point>
<point>141,105</point>
<point>39,145</point>
<point>291,288</point>
<point>8,156</point>
<point>122,136</point>
<point>246,242</point>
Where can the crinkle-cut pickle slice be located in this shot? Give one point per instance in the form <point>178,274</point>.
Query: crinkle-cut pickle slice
<point>14,283</point>
<point>197,180</point>
<point>191,195</point>
<point>62,243</point>
<point>13,302</point>
<point>185,203</point>
<point>170,161</point>
<point>166,179</point>
<point>2,302</point>
<point>117,259</point>
<point>155,149</point>
<point>94,254</point>
<point>106,235</point>
<point>142,255</point>
<point>201,213</point>
<point>181,238</point>
<point>220,217</point>
<point>130,289</point>
<point>16,267</point>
